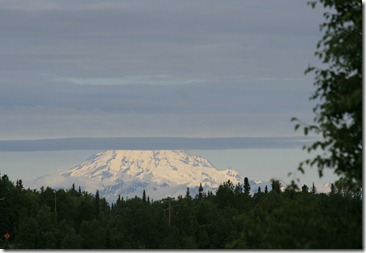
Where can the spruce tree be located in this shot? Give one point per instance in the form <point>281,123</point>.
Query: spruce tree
<point>259,190</point>
<point>332,189</point>
<point>266,189</point>
<point>276,186</point>
<point>304,188</point>
<point>118,201</point>
<point>188,195</point>
<point>200,191</point>
<point>144,196</point>
<point>313,189</point>
<point>97,205</point>
<point>246,186</point>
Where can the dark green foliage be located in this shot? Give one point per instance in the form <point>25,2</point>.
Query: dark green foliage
<point>225,194</point>
<point>97,205</point>
<point>259,190</point>
<point>305,188</point>
<point>188,194</point>
<point>313,189</point>
<point>200,191</point>
<point>246,186</point>
<point>144,196</point>
<point>332,189</point>
<point>338,114</point>
<point>276,186</point>
<point>92,234</point>
<point>68,238</point>
<point>230,218</point>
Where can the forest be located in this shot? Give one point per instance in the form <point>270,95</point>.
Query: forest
<point>230,218</point>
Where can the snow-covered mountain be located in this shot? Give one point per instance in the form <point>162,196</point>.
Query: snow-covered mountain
<point>160,173</point>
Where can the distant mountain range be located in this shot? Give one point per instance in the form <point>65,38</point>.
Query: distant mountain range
<point>160,173</point>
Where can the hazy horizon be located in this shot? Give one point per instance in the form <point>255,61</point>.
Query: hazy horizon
<point>256,164</point>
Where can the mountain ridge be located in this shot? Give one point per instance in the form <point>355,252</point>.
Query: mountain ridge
<point>160,173</point>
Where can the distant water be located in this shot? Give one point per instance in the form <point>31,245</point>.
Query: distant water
<point>256,164</point>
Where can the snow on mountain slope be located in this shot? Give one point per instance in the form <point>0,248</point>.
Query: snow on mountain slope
<point>161,173</point>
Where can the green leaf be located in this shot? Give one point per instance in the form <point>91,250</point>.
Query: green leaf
<point>301,170</point>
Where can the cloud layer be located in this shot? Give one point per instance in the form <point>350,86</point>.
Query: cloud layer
<point>162,68</point>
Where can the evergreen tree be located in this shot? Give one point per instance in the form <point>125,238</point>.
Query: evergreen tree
<point>28,233</point>
<point>92,235</point>
<point>46,224</point>
<point>266,189</point>
<point>97,205</point>
<point>304,188</point>
<point>238,189</point>
<point>259,190</point>
<point>188,195</point>
<point>19,184</point>
<point>276,186</point>
<point>225,194</point>
<point>144,196</point>
<point>313,189</point>
<point>200,191</point>
<point>332,189</point>
<point>68,238</point>
<point>118,201</point>
<point>246,186</point>
<point>221,221</point>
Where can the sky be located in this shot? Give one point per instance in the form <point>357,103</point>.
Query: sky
<point>162,68</point>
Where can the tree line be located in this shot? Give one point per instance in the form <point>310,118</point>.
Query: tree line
<point>230,218</point>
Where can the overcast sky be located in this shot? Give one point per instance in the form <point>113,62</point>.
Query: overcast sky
<point>76,68</point>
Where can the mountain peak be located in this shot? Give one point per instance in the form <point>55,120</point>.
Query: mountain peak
<point>161,173</point>
<point>160,166</point>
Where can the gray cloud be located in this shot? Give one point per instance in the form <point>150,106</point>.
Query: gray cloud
<point>151,143</point>
<point>154,68</point>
